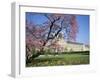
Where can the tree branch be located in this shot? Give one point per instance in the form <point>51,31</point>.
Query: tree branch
<point>31,33</point>
<point>47,17</point>
<point>57,31</point>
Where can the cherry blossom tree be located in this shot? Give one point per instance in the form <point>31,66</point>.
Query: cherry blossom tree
<point>38,36</point>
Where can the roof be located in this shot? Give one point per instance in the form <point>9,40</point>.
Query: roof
<point>74,43</point>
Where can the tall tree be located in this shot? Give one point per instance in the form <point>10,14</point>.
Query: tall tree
<point>39,35</point>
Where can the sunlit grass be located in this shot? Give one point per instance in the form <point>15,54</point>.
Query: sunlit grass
<point>57,60</point>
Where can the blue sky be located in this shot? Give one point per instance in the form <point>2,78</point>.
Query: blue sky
<point>83,34</point>
<point>83,23</point>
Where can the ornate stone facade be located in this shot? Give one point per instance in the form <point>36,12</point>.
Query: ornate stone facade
<point>60,45</point>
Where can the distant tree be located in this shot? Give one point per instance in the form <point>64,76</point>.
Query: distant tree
<point>38,36</point>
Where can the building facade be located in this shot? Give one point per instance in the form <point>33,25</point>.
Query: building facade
<point>60,45</point>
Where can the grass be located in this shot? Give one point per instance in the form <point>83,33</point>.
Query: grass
<point>57,60</point>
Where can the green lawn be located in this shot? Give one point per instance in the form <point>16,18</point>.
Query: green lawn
<point>62,59</point>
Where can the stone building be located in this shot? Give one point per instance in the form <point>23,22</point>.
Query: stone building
<point>60,45</point>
